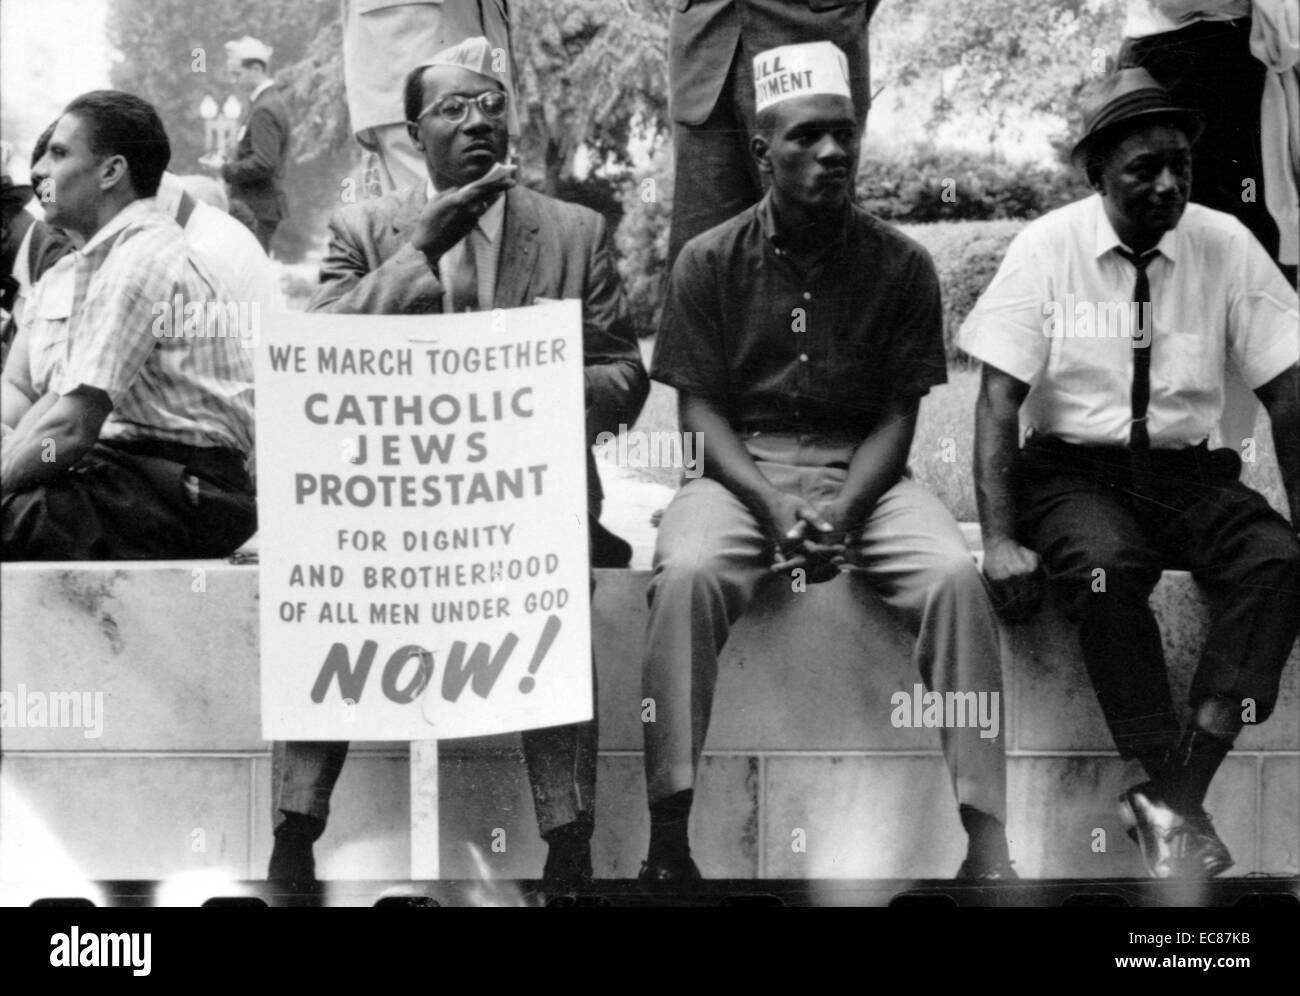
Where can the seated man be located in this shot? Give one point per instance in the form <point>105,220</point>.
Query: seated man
<point>466,241</point>
<point>125,437</point>
<point>1107,329</point>
<point>801,336</point>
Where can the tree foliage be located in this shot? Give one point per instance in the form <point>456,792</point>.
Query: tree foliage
<point>995,59</point>
<point>172,53</point>
<point>590,73</point>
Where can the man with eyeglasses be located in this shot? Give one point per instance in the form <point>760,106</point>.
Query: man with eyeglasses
<point>469,239</point>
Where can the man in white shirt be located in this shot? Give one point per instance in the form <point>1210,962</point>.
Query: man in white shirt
<point>227,247</point>
<point>1106,330</point>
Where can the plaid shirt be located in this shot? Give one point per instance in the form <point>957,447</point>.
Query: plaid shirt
<point>111,317</point>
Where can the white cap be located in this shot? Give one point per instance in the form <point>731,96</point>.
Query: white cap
<point>799,71</point>
<point>246,48</point>
<point>478,56</point>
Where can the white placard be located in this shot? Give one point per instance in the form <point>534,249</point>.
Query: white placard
<point>423,524</point>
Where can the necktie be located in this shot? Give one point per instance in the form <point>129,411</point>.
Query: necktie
<point>464,281</point>
<point>1139,441</point>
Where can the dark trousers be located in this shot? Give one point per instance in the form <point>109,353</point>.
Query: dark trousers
<point>561,763</point>
<point>1105,542</point>
<point>1207,67</point>
<point>134,501</point>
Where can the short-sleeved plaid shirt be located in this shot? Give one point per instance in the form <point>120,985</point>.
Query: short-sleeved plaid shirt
<point>112,317</point>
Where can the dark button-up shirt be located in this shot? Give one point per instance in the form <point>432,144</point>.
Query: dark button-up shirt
<point>816,350</point>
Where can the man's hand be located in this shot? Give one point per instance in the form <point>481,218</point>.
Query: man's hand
<point>1016,580</point>
<point>803,538</point>
<point>212,161</point>
<point>449,216</point>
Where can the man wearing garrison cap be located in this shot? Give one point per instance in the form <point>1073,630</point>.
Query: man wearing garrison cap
<point>468,239</point>
<point>1105,333</point>
<point>255,171</point>
<point>801,336</point>
<point>382,39</point>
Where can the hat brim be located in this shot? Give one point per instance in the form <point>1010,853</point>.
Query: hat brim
<point>1189,121</point>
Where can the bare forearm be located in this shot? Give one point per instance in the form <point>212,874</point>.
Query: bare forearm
<point>878,463</point>
<point>15,402</point>
<point>1284,416</point>
<point>997,446</point>
<point>725,458</point>
<point>55,434</point>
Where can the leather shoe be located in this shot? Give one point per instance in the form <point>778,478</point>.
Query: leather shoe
<point>608,550</point>
<point>568,869</point>
<point>668,872</point>
<point>1209,849</point>
<point>978,870</point>
<point>1173,845</point>
<point>293,866</point>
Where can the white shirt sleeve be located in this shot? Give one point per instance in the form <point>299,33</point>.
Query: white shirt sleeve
<point>1006,328</point>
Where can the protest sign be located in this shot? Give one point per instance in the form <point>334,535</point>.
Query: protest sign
<point>423,524</point>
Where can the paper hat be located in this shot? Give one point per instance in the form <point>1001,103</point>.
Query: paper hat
<point>476,55</point>
<point>1124,100</point>
<point>799,71</point>
<point>248,47</point>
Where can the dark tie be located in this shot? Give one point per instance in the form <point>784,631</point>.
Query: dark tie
<point>1139,440</point>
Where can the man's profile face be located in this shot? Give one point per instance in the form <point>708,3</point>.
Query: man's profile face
<point>811,152</point>
<point>457,154</point>
<point>70,177</point>
<point>1145,181</point>
<point>244,78</point>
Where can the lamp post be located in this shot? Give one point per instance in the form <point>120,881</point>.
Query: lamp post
<point>220,123</point>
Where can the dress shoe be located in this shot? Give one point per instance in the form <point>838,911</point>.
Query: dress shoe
<point>978,870</point>
<point>293,866</point>
<point>568,869</point>
<point>1209,849</point>
<point>1173,845</point>
<point>667,872</point>
<point>608,550</point>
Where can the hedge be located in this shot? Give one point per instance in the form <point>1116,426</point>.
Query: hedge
<point>967,254</point>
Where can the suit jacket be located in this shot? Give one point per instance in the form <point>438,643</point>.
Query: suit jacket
<point>256,172</point>
<point>548,249</point>
<point>703,35</point>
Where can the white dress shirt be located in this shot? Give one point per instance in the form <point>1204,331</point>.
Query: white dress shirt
<point>1057,316</point>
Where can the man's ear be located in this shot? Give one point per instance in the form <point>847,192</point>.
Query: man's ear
<point>759,147</point>
<point>414,132</point>
<point>113,172</point>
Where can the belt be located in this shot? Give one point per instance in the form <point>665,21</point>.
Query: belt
<point>201,459</point>
<point>1197,461</point>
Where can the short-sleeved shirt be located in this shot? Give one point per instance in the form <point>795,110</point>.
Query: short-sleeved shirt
<point>113,316</point>
<point>823,350</point>
<point>1059,313</point>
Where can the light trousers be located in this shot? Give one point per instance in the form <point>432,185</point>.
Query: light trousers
<point>711,556</point>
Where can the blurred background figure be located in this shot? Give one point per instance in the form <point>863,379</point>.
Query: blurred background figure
<point>711,47</point>
<point>254,171</point>
<point>28,246</point>
<point>1235,63</point>
<point>382,39</point>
